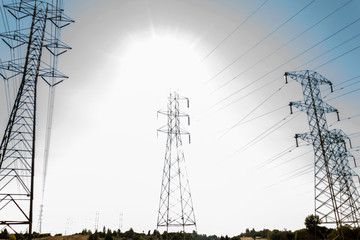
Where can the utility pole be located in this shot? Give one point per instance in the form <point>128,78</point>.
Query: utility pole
<point>336,196</point>
<point>175,207</point>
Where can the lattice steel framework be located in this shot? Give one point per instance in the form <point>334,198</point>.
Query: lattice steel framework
<point>17,149</point>
<point>336,195</point>
<point>175,207</point>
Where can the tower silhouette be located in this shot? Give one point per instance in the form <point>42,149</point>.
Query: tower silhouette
<point>175,207</point>
<point>336,195</point>
<point>33,37</point>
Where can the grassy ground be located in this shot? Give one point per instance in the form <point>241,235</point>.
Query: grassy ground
<point>85,237</point>
<point>70,237</point>
<point>249,238</point>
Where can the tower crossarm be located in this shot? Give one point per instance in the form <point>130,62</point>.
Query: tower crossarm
<point>51,43</point>
<point>24,8</point>
<point>46,72</point>
<point>173,114</point>
<point>338,136</point>
<point>18,37</point>
<point>302,76</point>
<point>303,136</point>
<point>302,106</point>
<point>165,129</point>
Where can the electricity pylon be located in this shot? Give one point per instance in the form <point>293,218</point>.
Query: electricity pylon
<point>17,150</point>
<point>336,195</point>
<point>175,207</point>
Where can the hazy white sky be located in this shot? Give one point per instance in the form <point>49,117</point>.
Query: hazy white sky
<point>127,54</point>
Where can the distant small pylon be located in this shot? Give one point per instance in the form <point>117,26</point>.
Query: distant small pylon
<point>175,207</point>
<point>121,219</point>
<point>96,221</point>
<point>40,218</point>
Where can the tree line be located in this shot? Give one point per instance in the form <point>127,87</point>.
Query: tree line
<point>4,234</point>
<point>312,231</point>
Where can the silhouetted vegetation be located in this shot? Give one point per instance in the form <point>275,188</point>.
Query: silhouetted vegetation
<point>40,235</point>
<point>255,234</point>
<point>312,231</point>
<point>4,234</point>
<point>131,234</point>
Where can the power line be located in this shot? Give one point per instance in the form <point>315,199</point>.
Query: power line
<point>265,114</point>
<point>297,173</point>
<point>355,137</point>
<point>254,109</point>
<point>6,82</point>
<point>339,45</point>
<point>282,76</point>
<point>340,89</point>
<point>260,138</point>
<point>246,95</point>
<point>266,133</point>
<point>275,157</point>
<point>338,84</point>
<point>303,52</point>
<point>291,159</point>
<point>278,78</point>
<point>259,42</point>
<point>284,45</point>
<point>288,61</point>
<point>217,103</point>
<point>355,148</point>
<point>347,118</point>
<point>4,18</point>
<point>349,80</point>
<point>354,134</point>
<point>321,65</point>
<point>237,28</point>
<point>353,49</point>
<point>344,94</point>
<point>349,85</point>
<point>282,86</point>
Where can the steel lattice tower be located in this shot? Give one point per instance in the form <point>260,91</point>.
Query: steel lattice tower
<point>175,207</point>
<point>336,196</point>
<point>17,149</point>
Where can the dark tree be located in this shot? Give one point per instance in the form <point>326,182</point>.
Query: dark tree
<point>4,234</point>
<point>108,235</point>
<point>312,222</point>
<point>129,234</point>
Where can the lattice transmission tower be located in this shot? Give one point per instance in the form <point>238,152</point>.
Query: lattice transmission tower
<point>35,45</point>
<point>336,194</point>
<point>175,207</point>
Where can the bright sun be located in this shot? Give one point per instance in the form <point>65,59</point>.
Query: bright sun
<point>162,61</point>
